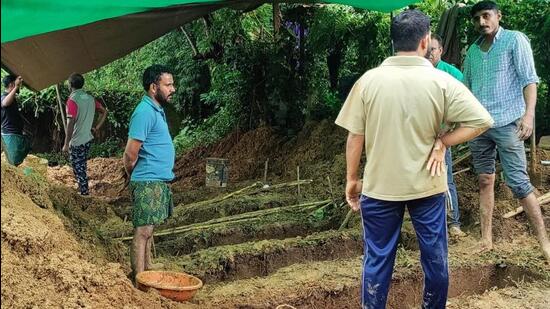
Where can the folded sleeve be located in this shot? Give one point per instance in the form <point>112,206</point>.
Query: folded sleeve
<point>522,56</point>
<point>72,108</point>
<point>352,114</point>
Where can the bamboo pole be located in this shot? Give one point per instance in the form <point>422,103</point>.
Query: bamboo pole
<point>249,216</point>
<point>461,171</point>
<point>346,220</point>
<point>219,199</point>
<point>191,43</point>
<point>462,158</point>
<point>283,185</point>
<point>543,199</point>
<point>241,191</point>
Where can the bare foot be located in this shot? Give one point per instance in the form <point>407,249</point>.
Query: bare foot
<point>482,247</point>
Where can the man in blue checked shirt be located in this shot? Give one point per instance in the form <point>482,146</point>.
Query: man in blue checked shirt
<point>500,71</point>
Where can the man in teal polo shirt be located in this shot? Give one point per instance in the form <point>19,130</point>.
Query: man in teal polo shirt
<point>436,50</point>
<point>149,160</point>
<point>434,55</point>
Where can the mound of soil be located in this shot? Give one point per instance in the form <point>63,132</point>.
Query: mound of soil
<point>43,264</point>
<point>104,176</point>
<point>246,152</point>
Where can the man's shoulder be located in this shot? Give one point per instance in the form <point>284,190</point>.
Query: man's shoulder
<point>143,110</point>
<point>514,33</point>
<point>447,67</point>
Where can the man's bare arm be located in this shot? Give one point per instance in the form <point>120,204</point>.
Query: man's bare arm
<point>526,124</point>
<point>131,155</point>
<point>354,149</point>
<point>10,98</point>
<point>69,133</point>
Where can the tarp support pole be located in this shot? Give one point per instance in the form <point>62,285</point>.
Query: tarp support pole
<point>60,105</point>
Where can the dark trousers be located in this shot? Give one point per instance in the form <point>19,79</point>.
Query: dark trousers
<point>382,225</point>
<point>79,158</point>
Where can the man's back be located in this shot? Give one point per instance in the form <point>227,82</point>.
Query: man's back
<point>85,113</point>
<point>399,107</point>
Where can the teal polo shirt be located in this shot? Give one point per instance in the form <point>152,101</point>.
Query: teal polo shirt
<point>157,154</point>
<point>451,69</point>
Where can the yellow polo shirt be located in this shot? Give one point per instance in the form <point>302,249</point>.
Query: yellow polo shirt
<point>399,107</point>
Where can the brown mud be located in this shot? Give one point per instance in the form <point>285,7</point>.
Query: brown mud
<point>60,249</point>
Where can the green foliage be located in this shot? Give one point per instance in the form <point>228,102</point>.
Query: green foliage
<point>244,74</point>
<point>532,17</point>
<point>55,158</point>
<point>109,148</point>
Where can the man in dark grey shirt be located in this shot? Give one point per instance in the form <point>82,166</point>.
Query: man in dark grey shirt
<point>14,143</point>
<point>12,123</point>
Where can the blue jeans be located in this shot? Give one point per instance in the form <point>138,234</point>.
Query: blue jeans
<point>452,194</point>
<point>511,151</point>
<point>381,227</point>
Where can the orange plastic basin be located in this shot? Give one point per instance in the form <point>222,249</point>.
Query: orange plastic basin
<point>176,286</point>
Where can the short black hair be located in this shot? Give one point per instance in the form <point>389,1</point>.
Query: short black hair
<point>8,79</point>
<point>408,28</point>
<point>483,6</point>
<point>152,75</point>
<point>438,38</point>
<point>76,81</point>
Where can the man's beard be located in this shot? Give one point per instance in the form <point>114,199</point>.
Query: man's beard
<point>161,99</point>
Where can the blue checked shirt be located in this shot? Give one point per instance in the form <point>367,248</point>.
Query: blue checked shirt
<point>497,77</point>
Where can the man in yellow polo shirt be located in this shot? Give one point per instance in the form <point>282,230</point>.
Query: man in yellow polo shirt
<point>395,112</point>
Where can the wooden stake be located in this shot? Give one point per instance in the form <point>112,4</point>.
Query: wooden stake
<point>265,170</point>
<point>533,149</point>
<point>298,173</point>
<point>153,244</point>
<point>533,163</point>
<point>346,220</point>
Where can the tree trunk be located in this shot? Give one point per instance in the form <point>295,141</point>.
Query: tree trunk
<point>276,18</point>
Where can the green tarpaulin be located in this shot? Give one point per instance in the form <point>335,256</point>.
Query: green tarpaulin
<point>45,40</point>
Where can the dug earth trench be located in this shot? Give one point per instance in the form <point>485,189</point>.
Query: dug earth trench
<point>261,249</point>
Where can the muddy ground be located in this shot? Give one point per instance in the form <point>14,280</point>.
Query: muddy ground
<point>274,247</point>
